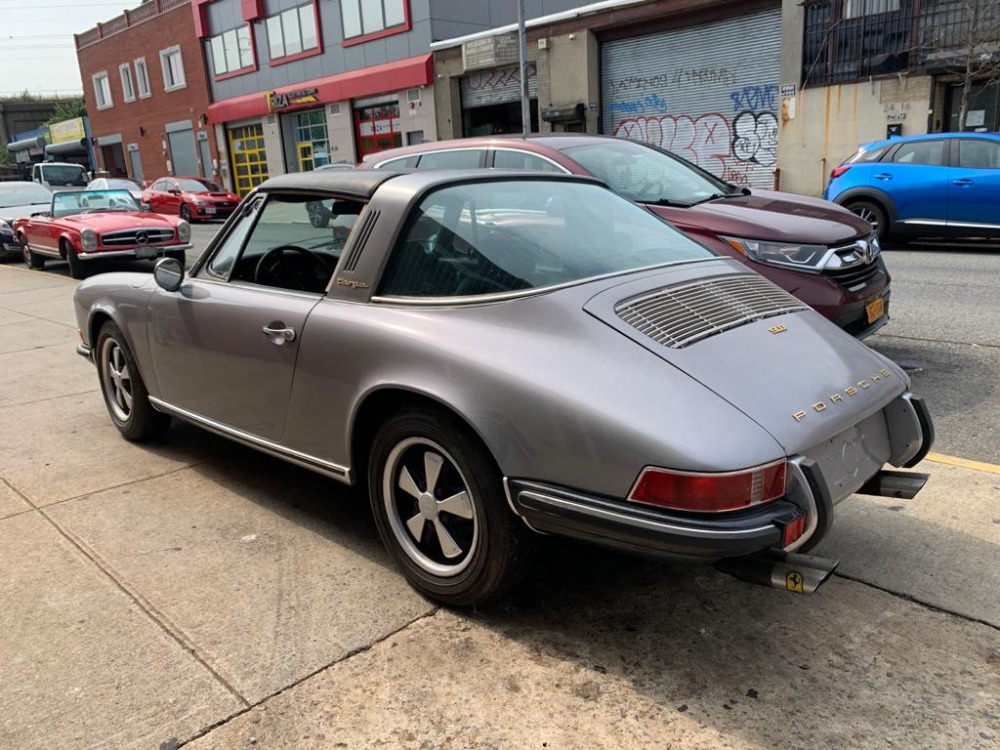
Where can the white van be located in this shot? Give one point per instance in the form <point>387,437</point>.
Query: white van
<point>60,175</point>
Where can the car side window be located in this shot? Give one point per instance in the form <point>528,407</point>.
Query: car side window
<point>403,162</point>
<point>978,154</point>
<point>929,153</point>
<point>504,159</point>
<point>221,263</point>
<point>463,159</point>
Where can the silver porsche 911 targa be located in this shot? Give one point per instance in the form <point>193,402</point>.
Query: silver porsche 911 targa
<point>509,354</point>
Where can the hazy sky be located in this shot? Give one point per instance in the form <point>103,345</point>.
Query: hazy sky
<point>36,42</point>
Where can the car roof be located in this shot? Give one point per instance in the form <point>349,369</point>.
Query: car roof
<point>526,142</point>
<point>928,137</point>
<point>21,183</point>
<point>362,184</point>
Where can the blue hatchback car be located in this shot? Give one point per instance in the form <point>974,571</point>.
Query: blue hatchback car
<point>940,185</point>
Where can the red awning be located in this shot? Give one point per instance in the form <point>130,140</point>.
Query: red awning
<point>379,79</point>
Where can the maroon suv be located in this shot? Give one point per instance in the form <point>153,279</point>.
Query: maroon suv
<point>823,254</point>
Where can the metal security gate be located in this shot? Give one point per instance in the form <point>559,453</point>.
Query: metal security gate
<point>496,86</point>
<point>708,93</point>
<point>182,154</point>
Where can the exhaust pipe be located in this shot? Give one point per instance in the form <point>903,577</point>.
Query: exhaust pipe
<point>800,574</point>
<point>899,484</point>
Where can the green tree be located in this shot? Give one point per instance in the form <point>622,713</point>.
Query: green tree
<point>6,157</point>
<point>68,110</point>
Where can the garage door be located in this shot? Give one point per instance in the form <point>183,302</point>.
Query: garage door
<point>708,93</point>
<point>183,158</point>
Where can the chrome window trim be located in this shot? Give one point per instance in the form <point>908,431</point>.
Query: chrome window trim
<point>504,296</point>
<point>554,163</point>
<point>421,154</point>
<point>328,468</point>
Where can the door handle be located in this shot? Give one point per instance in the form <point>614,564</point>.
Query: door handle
<point>964,182</point>
<point>278,336</point>
<point>883,176</point>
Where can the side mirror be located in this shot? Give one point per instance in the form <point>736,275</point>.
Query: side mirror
<point>175,191</point>
<point>169,273</point>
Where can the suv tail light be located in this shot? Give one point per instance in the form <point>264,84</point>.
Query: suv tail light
<point>838,171</point>
<point>709,493</point>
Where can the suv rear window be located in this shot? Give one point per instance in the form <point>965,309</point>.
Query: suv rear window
<point>867,157</point>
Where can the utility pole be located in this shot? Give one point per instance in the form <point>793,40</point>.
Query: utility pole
<point>522,53</point>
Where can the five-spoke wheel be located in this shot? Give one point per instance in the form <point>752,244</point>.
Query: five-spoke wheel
<point>124,392</point>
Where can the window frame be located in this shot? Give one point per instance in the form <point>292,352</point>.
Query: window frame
<point>142,81</point>
<point>559,168</point>
<point>399,28</point>
<point>243,69</point>
<point>128,83</point>
<point>303,53</point>
<point>165,56</point>
<point>957,152</point>
<point>102,90</point>
<point>946,153</point>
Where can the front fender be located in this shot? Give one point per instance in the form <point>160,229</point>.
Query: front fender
<point>72,238</point>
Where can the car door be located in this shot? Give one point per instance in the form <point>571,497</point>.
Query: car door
<point>917,178</point>
<point>172,197</point>
<point>156,196</point>
<point>224,345</point>
<point>974,199</point>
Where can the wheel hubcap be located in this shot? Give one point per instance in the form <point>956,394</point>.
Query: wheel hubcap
<point>429,507</point>
<point>868,215</point>
<point>117,380</point>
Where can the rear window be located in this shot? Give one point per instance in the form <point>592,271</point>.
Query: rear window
<point>861,156</point>
<point>512,235</point>
<point>64,174</point>
<point>464,159</point>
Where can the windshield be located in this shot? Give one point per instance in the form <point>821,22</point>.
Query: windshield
<point>645,174</point>
<point>511,235</point>
<point>90,201</point>
<point>24,194</point>
<point>64,174</point>
<point>124,185</point>
<point>199,186</point>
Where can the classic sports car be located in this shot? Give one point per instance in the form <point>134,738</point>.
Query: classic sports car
<point>87,225</point>
<point>501,354</point>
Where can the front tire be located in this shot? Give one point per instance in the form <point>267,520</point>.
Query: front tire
<point>874,214</point>
<point>124,392</point>
<point>318,216</point>
<point>185,213</point>
<point>76,267</point>
<point>438,500</point>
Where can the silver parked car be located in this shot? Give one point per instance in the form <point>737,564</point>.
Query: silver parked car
<point>502,354</point>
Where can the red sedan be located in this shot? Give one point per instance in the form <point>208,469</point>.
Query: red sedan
<point>88,225</point>
<point>191,198</point>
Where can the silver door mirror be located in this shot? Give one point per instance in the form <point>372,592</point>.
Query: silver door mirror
<point>169,273</point>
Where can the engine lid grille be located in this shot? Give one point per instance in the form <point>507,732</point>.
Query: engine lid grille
<point>680,315</point>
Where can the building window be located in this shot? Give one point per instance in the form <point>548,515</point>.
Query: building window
<point>142,77</point>
<point>173,68</point>
<point>363,17</point>
<point>232,51</point>
<point>861,8</point>
<point>292,32</point>
<point>128,89</point>
<point>102,90</point>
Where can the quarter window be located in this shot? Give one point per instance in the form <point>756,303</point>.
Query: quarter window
<point>464,159</point>
<point>503,159</point>
<point>142,77</point>
<point>173,68</point>
<point>361,17</point>
<point>102,90</point>
<point>128,89</point>
<point>978,154</point>
<point>232,51</point>
<point>402,162</point>
<point>930,153</point>
<point>292,32</point>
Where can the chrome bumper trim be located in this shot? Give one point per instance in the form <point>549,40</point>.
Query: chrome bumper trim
<point>130,253</point>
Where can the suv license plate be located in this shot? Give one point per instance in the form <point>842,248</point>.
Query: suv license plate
<point>145,253</point>
<point>875,309</point>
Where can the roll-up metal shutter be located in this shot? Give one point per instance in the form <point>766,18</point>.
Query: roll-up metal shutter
<point>496,86</point>
<point>708,93</point>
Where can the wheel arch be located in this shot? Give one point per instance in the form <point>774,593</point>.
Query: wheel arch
<point>854,195</point>
<point>378,405</point>
<point>67,238</point>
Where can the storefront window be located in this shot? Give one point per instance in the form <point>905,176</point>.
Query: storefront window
<point>312,144</point>
<point>379,128</point>
<point>249,158</point>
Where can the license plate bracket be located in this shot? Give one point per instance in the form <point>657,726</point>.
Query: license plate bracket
<point>145,253</point>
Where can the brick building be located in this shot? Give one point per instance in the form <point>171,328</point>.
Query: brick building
<point>147,94</point>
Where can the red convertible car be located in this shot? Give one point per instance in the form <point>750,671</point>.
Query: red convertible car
<point>91,224</point>
<point>191,198</point>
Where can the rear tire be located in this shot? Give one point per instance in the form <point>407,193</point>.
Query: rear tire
<point>438,500</point>
<point>33,260</point>
<point>124,392</point>
<point>77,270</point>
<point>874,214</point>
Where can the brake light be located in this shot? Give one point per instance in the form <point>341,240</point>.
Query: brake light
<point>709,492</point>
<point>838,171</point>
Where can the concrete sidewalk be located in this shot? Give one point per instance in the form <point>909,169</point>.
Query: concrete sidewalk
<point>200,594</point>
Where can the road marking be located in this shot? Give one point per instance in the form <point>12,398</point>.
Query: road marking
<point>940,458</point>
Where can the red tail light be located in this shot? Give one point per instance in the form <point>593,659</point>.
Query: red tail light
<point>838,171</point>
<point>709,493</point>
<point>793,531</point>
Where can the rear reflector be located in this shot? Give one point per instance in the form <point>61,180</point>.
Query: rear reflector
<point>793,531</point>
<point>709,493</point>
<point>838,171</point>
